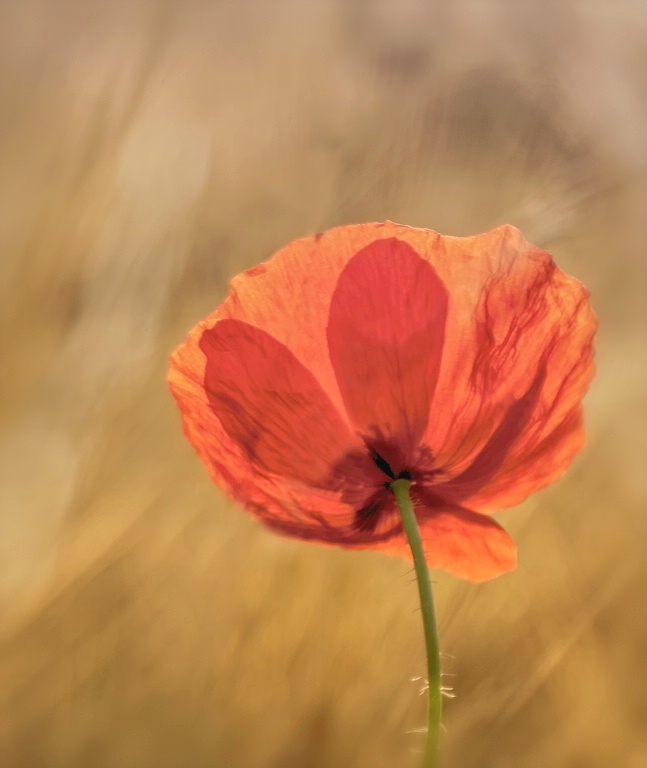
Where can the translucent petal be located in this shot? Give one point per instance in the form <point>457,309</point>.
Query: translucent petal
<point>385,337</point>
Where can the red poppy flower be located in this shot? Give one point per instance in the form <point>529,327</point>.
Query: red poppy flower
<point>379,351</point>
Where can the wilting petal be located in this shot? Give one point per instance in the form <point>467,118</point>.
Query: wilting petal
<point>270,405</point>
<point>521,328</point>
<point>385,336</point>
<point>465,543</point>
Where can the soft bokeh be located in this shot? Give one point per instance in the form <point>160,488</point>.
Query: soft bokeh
<point>151,149</point>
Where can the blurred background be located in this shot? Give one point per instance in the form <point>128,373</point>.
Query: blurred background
<point>150,150</point>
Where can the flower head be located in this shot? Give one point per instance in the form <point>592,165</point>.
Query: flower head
<point>374,352</point>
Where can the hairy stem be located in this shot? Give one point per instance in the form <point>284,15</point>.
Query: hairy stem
<point>434,703</point>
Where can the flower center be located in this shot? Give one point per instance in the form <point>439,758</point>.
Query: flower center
<point>383,465</point>
<point>368,517</point>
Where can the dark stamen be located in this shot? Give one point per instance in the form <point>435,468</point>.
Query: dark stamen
<point>382,464</point>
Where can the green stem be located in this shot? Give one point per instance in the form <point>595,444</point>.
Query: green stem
<point>434,702</point>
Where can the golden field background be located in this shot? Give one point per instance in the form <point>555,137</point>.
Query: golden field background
<point>151,150</point>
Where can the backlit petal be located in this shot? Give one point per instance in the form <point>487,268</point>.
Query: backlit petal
<point>488,461</point>
<point>315,518</point>
<point>385,336</point>
<point>468,544</point>
<point>250,472</point>
<point>289,295</point>
<point>517,361</point>
<point>270,404</point>
<point>532,464</point>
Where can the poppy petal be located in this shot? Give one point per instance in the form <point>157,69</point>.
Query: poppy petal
<point>385,337</point>
<point>531,464</point>
<point>316,516</point>
<point>292,506</point>
<point>289,295</point>
<point>270,404</point>
<point>468,544</point>
<point>518,359</point>
<point>494,452</point>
